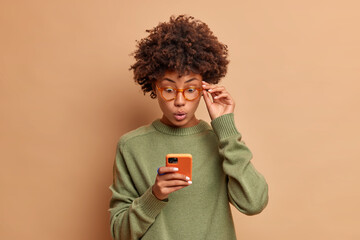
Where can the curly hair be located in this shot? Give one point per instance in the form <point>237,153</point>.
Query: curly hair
<point>184,45</point>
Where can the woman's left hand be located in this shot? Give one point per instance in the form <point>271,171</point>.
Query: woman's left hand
<point>221,102</point>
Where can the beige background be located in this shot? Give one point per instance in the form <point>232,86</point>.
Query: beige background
<point>66,96</point>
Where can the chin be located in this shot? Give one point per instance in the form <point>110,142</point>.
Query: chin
<point>185,123</point>
<point>179,124</point>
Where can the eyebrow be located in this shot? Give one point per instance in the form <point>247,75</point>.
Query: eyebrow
<point>170,80</point>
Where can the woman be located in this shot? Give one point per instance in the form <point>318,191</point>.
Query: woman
<point>180,62</point>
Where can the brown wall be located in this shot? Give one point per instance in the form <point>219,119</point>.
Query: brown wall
<point>66,96</point>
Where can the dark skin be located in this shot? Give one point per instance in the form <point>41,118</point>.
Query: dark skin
<point>169,182</point>
<point>218,104</point>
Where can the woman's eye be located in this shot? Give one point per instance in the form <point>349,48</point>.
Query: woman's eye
<point>191,90</point>
<point>169,90</point>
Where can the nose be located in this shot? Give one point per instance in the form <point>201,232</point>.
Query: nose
<point>179,100</point>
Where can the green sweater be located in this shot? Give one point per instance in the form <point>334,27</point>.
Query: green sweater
<point>222,172</point>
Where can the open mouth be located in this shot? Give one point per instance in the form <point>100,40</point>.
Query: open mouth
<point>180,116</point>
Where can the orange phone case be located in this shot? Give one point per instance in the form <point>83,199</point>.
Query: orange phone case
<point>184,163</point>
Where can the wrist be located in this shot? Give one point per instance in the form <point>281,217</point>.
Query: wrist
<point>154,192</point>
<point>224,126</point>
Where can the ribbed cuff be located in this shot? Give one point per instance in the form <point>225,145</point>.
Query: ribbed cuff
<point>149,204</point>
<point>224,126</point>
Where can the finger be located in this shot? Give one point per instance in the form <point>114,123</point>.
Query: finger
<point>173,189</point>
<point>207,99</point>
<point>205,83</point>
<point>223,96</point>
<point>217,89</point>
<point>176,183</point>
<point>206,86</point>
<point>175,176</point>
<point>163,170</point>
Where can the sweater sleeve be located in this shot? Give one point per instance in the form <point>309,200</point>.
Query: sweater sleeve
<point>247,188</point>
<point>131,214</point>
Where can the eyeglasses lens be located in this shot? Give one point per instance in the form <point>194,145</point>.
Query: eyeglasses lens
<point>189,94</point>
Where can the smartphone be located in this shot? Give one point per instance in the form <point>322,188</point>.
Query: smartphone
<point>182,161</point>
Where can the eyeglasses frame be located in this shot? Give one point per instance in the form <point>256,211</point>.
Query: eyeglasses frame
<point>177,91</point>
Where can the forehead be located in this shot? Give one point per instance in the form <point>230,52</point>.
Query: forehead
<point>173,77</point>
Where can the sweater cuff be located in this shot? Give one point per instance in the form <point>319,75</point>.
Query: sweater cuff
<point>224,126</point>
<point>149,204</point>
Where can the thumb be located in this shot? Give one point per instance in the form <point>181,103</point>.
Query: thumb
<point>207,99</point>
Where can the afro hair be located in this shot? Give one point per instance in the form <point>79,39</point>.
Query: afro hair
<point>184,45</point>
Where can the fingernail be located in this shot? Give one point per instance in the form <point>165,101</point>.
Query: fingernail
<point>175,169</point>
<point>187,178</point>
<point>190,182</point>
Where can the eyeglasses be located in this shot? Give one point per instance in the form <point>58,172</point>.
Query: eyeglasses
<point>169,93</point>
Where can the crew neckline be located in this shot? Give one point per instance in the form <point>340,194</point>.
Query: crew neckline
<point>161,127</point>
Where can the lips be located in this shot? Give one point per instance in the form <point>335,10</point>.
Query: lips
<point>179,116</point>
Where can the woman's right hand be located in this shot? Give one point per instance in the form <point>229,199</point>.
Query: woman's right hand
<point>169,182</point>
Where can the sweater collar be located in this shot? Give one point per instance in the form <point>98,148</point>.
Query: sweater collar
<point>200,127</point>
